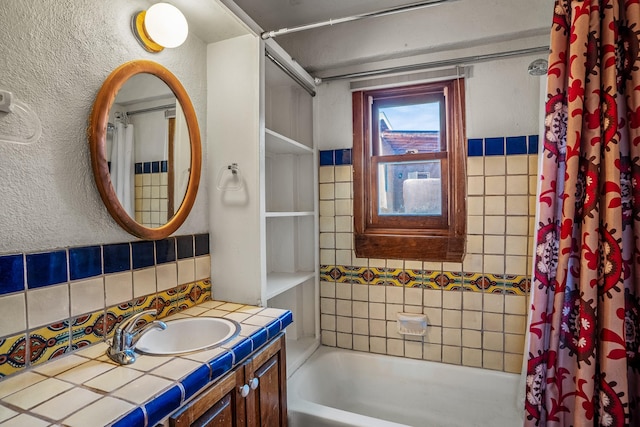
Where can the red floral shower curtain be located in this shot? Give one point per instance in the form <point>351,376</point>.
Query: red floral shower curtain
<point>584,351</point>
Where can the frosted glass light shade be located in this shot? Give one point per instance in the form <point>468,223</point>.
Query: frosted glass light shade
<point>166,25</point>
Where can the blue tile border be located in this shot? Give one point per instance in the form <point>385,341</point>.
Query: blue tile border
<point>85,262</point>
<point>142,254</point>
<point>185,246</point>
<point>533,144</point>
<point>151,167</point>
<point>116,258</point>
<point>202,244</point>
<point>494,146</point>
<point>11,273</point>
<point>46,269</point>
<point>19,272</point>
<point>476,147</point>
<point>165,250</point>
<point>516,145</point>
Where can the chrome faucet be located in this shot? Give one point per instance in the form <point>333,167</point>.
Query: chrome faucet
<point>121,349</point>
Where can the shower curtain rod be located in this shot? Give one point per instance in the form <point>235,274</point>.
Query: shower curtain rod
<point>434,64</point>
<point>150,109</point>
<point>398,9</point>
<point>289,73</point>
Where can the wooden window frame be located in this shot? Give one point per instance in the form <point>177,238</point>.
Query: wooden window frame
<point>411,237</point>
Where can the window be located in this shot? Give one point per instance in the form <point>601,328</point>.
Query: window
<point>409,180</point>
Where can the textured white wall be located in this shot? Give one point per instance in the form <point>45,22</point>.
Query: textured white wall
<point>54,56</point>
<point>502,99</point>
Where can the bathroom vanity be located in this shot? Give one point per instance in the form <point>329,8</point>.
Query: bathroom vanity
<point>253,394</point>
<point>240,383</point>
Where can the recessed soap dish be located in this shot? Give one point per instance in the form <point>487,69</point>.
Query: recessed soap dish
<point>412,324</point>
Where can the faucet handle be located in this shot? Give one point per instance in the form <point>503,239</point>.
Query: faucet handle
<point>129,324</point>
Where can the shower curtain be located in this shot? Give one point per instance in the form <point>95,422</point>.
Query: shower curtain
<point>584,346</point>
<point>122,166</point>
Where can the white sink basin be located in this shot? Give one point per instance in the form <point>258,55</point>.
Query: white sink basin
<point>188,335</point>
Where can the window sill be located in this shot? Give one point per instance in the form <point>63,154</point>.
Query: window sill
<point>447,248</point>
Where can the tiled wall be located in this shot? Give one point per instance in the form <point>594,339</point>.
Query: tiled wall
<point>476,310</point>
<point>52,303</point>
<point>151,193</point>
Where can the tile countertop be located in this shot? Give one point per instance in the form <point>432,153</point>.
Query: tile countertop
<point>86,388</point>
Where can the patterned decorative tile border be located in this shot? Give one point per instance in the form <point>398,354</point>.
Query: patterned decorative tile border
<point>60,338</point>
<point>446,280</point>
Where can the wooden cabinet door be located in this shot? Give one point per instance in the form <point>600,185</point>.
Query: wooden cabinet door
<point>267,403</point>
<point>219,406</point>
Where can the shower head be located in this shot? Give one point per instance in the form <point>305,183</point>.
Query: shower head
<point>538,67</point>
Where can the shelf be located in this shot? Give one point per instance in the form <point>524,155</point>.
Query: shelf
<point>287,214</point>
<point>298,351</point>
<point>278,283</point>
<point>280,144</point>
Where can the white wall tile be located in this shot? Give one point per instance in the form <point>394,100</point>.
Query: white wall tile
<point>47,305</point>
<point>475,166</point>
<point>203,267</point>
<point>88,295</point>
<point>494,205</point>
<point>327,191</point>
<point>144,282</point>
<point>494,185</point>
<point>517,165</point>
<point>343,173</point>
<point>14,314</point>
<point>494,165</point>
<point>118,288</point>
<point>186,271</point>
<point>494,224</point>
<point>167,275</point>
<point>325,174</point>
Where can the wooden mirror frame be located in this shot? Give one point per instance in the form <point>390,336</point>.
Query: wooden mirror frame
<point>97,134</point>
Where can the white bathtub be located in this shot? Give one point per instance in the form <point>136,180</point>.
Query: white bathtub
<point>347,388</point>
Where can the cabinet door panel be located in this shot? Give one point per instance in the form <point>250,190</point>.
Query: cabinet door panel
<point>219,415</point>
<point>268,396</point>
<point>267,404</point>
<point>218,406</point>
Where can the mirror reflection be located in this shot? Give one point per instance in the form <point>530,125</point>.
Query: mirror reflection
<point>148,150</point>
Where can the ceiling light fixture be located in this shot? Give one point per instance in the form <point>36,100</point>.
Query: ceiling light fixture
<point>160,26</point>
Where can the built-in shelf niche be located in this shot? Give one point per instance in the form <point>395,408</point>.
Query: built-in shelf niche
<point>301,334</point>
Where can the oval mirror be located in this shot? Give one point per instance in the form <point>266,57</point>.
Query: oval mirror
<point>145,149</point>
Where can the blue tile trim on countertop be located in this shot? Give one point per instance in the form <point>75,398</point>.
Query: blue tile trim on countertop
<point>242,349</point>
<point>196,380</point>
<point>46,269</point>
<point>259,338</point>
<point>135,418</point>
<point>221,364</point>
<point>163,405</point>
<point>11,274</point>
